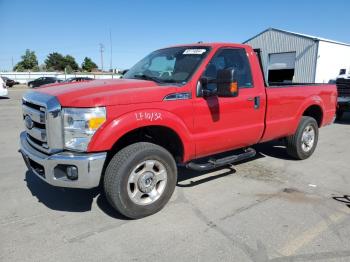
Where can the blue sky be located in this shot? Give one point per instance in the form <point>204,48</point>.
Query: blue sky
<point>139,27</point>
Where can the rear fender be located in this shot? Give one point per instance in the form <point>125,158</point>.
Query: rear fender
<point>310,101</point>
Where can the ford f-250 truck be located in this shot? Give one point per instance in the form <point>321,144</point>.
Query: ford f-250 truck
<point>176,106</point>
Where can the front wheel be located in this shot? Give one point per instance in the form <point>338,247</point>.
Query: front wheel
<point>140,179</point>
<point>303,143</point>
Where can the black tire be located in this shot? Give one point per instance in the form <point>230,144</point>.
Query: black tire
<point>294,143</point>
<point>339,115</point>
<point>117,176</point>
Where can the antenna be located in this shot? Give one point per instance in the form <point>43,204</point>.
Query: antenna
<point>110,40</point>
<point>101,51</point>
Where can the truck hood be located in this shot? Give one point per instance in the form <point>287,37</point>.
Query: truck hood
<point>107,92</point>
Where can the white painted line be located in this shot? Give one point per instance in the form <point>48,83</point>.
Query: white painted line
<point>309,235</point>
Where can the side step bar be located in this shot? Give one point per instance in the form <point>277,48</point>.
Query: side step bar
<point>215,163</point>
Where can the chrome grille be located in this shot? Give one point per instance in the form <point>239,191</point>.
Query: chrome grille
<point>42,118</point>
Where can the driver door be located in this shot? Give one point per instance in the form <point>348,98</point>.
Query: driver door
<point>226,123</point>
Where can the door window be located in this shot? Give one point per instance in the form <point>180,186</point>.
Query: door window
<point>230,58</point>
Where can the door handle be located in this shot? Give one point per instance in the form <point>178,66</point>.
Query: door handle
<point>257,102</point>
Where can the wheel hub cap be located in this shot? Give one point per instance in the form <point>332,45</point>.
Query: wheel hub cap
<point>308,138</point>
<point>146,182</point>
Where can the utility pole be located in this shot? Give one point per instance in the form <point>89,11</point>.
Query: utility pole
<point>101,51</point>
<point>110,40</point>
<point>12,63</point>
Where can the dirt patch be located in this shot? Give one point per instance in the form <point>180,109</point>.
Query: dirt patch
<point>260,172</point>
<point>292,195</point>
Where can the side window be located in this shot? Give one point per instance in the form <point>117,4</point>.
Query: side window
<point>230,58</point>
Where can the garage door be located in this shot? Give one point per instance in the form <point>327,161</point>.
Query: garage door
<point>282,61</point>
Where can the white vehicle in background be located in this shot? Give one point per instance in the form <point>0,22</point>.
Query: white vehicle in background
<point>3,88</point>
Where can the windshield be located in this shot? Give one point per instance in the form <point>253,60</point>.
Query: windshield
<point>169,65</point>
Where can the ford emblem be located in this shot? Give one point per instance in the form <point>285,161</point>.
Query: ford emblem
<point>28,122</point>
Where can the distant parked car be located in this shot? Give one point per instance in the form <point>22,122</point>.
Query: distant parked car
<point>9,82</point>
<point>3,88</point>
<point>43,81</point>
<point>77,79</point>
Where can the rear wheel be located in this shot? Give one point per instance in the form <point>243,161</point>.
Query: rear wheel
<point>140,179</point>
<point>303,143</point>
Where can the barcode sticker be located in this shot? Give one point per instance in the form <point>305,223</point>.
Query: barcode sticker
<point>194,51</point>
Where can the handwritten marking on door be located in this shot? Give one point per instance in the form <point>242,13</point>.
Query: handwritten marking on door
<point>148,116</point>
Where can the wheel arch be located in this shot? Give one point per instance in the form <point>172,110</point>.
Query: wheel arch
<point>156,134</point>
<point>313,107</point>
<point>315,111</point>
<point>169,131</point>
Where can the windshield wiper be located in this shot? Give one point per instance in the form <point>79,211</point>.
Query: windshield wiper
<point>147,77</point>
<point>171,81</point>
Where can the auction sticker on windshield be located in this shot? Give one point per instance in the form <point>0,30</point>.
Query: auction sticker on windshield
<point>194,51</point>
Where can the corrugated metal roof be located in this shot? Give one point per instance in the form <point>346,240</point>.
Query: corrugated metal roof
<point>315,38</point>
<point>276,41</point>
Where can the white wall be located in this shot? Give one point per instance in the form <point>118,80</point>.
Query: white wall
<point>331,58</point>
<point>24,77</point>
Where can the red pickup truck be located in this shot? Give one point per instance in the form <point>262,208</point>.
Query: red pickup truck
<point>178,105</point>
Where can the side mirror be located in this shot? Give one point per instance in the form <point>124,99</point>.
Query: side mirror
<point>206,92</point>
<point>125,71</point>
<point>226,83</point>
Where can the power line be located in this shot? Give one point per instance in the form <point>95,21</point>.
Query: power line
<point>110,39</point>
<point>101,51</point>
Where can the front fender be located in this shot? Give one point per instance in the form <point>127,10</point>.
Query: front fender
<point>111,132</point>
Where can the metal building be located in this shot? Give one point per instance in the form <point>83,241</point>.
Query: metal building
<point>289,56</point>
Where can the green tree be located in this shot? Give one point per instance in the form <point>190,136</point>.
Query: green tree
<point>88,64</point>
<point>69,61</point>
<point>28,62</point>
<point>55,62</point>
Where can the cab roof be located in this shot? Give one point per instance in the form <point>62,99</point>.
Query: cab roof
<point>213,44</point>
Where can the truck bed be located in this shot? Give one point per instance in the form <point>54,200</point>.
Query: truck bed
<point>286,103</point>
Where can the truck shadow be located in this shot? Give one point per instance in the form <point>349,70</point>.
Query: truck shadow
<point>80,200</point>
<point>62,199</point>
<point>68,199</point>
<point>187,174</point>
<point>275,149</point>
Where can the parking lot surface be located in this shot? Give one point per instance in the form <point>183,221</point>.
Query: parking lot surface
<point>271,208</point>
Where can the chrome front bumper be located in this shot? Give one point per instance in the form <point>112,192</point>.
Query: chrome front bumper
<point>49,167</point>
<point>4,92</point>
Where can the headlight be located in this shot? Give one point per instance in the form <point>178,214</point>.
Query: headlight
<point>80,124</point>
